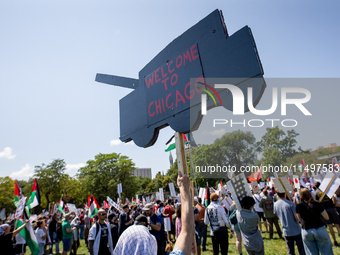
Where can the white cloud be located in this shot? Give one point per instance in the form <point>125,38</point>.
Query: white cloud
<point>70,167</point>
<point>24,173</point>
<point>115,142</point>
<point>7,153</point>
<point>217,132</point>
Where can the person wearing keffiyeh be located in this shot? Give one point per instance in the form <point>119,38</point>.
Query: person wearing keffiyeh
<point>6,236</point>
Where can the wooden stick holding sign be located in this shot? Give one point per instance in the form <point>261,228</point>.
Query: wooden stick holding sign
<point>287,193</point>
<point>328,187</point>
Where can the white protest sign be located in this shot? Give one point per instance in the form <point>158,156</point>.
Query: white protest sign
<point>71,207</point>
<point>255,187</point>
<point>20,208</point>
<point>202,193</point>
<point>230,201</point>
<point>148,199</point>
<point>172,189</point>
<point>239,188</point>
<point>119,188</point>
<point>161,194</point>
<point>226,204</point>
<point>275,175</point>
<point>330,177</point>
<point>112,203</point>
<point>262,185</point>
<point>296,181</point>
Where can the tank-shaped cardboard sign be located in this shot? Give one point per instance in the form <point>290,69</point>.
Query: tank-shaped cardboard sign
<point>170,86</point>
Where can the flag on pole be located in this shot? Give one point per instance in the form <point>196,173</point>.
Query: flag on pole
<point>171,144</point>
<point>106,205</point>
<point>133,201</point>
<point>34,199</point>
<point>28,234</point>
<point>67,197</point>
<point>207,197</point>
<point>61,205</point>
<point>256,176</point>
<point>94,207</point>
<point>17,193</point>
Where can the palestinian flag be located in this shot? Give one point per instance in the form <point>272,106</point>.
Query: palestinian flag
<point>133,201</point>
<point>302,165</point>
<point>17,193</point>
<point>61,205</point>
<point>34,199</point>
<point>94,207</point>
<point>28,234</point>
<point>171,144</point>
<point>106,205</point>
<point>207,197</point>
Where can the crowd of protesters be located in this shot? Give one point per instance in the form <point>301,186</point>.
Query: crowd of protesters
<point>173,227</point>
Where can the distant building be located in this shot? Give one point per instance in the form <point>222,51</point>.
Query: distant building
<point>143,172</point>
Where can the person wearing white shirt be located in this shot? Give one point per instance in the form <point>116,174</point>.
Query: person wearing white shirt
<point>259,211</point>
<point>216,217</point>
<point>41,235</point>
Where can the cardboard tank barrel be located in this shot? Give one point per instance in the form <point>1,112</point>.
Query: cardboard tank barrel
<point>168,91</point>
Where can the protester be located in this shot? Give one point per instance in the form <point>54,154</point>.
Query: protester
<point>328,205</point>
<point>235,227</point>
<point>248,223</point>
<point>6,243</point>
<point>41,235</point>
<point>87,227</point>
<point>20,245</point>
<point>167,214</point>
<point>82,224</point>
<point>75,238</point>
<point>114,229</point>
<point>67,232</point>
<point>100,239</point>
<point>124,220</point>
<point>286,211</point>
<point>156,228</point>
<point>137,239</point>
<point>259,211</point>
<point>201,227</point>
<point>267,204</point>
<point>52,228</point>
<point>218,222</point>
<point>315,237</point>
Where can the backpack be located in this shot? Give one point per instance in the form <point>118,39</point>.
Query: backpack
<point>232,217</point>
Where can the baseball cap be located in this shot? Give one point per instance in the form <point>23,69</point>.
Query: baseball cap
<point>148,207</point>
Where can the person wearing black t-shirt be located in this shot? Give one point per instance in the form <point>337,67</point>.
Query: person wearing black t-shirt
<point>328,205</point>
<point>114,229</point>
<point>52,228</point>
<point>6,237</point>
<point>314,234</point>
<point>124,220</point>
<point>100,240</point>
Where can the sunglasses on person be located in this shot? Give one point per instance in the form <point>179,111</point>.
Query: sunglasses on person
<point>102,214</point>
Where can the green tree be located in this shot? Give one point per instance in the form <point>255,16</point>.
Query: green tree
<point>101,176</point>
<point>7,194</point>
<point>51,180</point>
<point>234,149</point>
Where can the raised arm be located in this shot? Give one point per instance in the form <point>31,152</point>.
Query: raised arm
<point>186,236</point>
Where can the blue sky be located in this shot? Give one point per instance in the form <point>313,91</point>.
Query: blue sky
<point>50,51</point>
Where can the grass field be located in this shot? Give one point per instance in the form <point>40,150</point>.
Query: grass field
<point>274,246</point>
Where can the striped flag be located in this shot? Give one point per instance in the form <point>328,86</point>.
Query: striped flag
<point>17,193</point>
<point>61,205</point>
<point>171,144</point>
<point>34,199</point>
<point>94,207</point>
